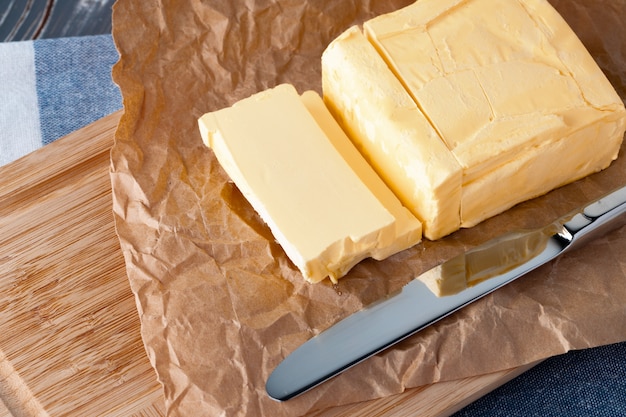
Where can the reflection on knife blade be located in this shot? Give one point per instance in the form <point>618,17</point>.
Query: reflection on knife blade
<point>494,258</point>
<point>462,280</point>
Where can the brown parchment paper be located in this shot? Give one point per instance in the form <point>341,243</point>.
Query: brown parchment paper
<point>220,304</point>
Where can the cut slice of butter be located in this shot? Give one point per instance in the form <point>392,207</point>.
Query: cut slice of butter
<point>408,228</point>
<point>391,132</point>
<point>323,206</point>
<point>504,88</point>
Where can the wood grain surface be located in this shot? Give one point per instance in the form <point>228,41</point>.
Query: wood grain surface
<point>70,343</point>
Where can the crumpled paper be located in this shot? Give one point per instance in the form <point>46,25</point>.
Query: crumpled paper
<point>220,304</point>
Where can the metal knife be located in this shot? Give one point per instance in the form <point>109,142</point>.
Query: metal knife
<point>438,293</point>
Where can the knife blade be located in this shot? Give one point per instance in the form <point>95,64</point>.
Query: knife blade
<point>438,293</point>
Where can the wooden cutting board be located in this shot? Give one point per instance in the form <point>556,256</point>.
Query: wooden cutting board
<point>69,330</point>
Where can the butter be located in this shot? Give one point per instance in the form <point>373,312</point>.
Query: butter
<point>391,132</point>
<point>408,229</point>
<point>500,99</point>
<point>321,200</point>
<point>434,117</point>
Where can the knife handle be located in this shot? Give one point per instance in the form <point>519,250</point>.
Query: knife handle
<point>595,219</point>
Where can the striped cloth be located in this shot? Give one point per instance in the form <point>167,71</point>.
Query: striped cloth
<point>52,87</point>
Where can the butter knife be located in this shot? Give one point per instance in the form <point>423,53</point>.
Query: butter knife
<point>438,293</point>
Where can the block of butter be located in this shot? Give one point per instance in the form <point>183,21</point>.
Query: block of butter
<point>324,204</point>
<point>499,98</point>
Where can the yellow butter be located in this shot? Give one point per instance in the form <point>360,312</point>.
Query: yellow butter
<point>408,228</point>
<point>505,85</point>
<point>511,91</point>
<point>391,132</point>
<point>326,210</point>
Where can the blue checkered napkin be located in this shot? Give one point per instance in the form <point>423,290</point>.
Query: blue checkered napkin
<point>52,87</point>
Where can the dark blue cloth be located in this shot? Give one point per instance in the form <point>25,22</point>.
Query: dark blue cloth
<point>585,383</point>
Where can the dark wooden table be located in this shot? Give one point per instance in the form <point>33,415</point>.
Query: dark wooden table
<point>39,19</point>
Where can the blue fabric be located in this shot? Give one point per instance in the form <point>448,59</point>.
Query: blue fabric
<point>52,87</point>
<point>589,383</point>
<point>74,85</point>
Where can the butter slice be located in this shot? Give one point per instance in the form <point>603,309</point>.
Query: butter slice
<point>511,91</point>
<point>391,132</point>
<point>408,228</point>
<point>322,212</point>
